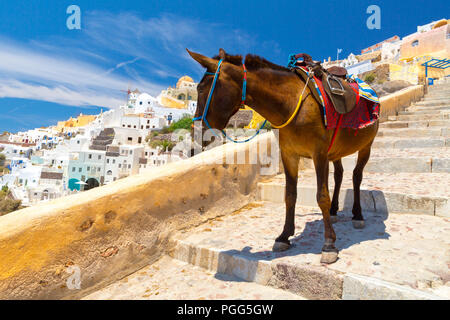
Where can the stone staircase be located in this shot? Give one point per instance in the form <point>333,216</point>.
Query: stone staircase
<point>105,138</point>
<point>402,253</point>
<point>409,168</point>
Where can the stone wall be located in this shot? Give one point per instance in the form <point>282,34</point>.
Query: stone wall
<point>111,231</point>
<point>400,100</point>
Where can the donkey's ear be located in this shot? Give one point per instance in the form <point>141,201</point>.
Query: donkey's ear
<point>222,54</point>
<point>206,62</point>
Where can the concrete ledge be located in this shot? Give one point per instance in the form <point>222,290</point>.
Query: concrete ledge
<point>371,200</point>
<point>399,100</point>
<point>112,231</point>
<point>356,287</point>
<point>312,282</point>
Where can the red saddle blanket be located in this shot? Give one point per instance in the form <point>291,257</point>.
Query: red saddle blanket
<point>364,114</point>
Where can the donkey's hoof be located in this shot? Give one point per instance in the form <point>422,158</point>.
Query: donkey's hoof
<point>328,257</point>
<point>358,224</point>
<point>334,219</point>
<point>280,246</point>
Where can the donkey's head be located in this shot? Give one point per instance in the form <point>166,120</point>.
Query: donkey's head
<point>226,96</point>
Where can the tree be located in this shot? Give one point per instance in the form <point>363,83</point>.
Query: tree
<point>369,78</point>
<point>2,160</point>
<point>8,205</point>
<point>165,145</point>
<point>184,123</point>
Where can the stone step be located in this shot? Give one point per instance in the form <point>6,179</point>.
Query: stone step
<point>415,124</point>
<point>439,88</point>
<point>419,193</point>
<point>408,142</point>
<point>400,160</point>
<point>432,103</point>
<point>172,279</point>
<point>436,97</point>
<point>394,257</point>
<point>414,132</point>
<point>423,108</point>
<point>421,112</point>
<point>418,117</point>
<point>385,160</point>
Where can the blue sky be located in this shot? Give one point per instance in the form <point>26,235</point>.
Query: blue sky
<point>49,73</point>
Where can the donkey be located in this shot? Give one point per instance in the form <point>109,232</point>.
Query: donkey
<point>273,91</point>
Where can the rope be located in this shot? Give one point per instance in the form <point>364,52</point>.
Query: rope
<point>296,109</point>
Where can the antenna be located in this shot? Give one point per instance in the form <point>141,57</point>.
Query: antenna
<point>128,91</point>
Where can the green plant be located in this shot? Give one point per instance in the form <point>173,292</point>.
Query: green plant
<point>165,145</point>
<point>183,123</point>
<point>8,205</point>
<point>369,78</point>
<point>267,126</point>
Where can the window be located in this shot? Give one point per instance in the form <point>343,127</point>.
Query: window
<point>99,157</point>
<point>415,43</point>
<point>107,160</point>
<point>88,168</point>
<point>99,169</point>
<point>78,141</point>
<point>140,102</point>
<point>129,166</point>
<point>123,125</point>
<point>79,169</point>
<point>120,165</point>
<point>90,156</point>
<point>129,126</point>
<point>147,127</point>
<point>114,161</point>
<point>73,169</point>
<point>142,127</point>
<point>109,172</point>
<point>130,139</point>
<point>134,127</point>
<point>131,151</point>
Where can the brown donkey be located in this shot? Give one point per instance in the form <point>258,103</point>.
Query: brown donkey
<point>273,91</point>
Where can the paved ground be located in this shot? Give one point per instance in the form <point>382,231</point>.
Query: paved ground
<point>173,279</point>
<point>405,249</point>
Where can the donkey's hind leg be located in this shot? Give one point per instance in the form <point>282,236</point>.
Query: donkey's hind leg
<point>338,173</point>
<point>363,157</point>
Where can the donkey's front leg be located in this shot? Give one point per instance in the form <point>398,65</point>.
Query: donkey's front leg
<point>290,163</point>
<point>329,251</point>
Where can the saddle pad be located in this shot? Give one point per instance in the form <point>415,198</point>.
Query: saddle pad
<point>363,115</point>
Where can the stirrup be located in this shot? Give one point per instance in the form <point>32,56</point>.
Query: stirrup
<point>339,91</point>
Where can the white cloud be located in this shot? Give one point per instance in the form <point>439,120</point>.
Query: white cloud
<point>114,50</point>
<point>58,94</point>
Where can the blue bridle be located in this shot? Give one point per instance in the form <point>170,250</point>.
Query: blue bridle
<point>208,102</point>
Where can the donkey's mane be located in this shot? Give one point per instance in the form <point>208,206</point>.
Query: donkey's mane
<point>254,62</point>
<point>233,59</point>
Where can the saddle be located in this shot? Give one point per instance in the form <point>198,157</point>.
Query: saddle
<point>334,81</point>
